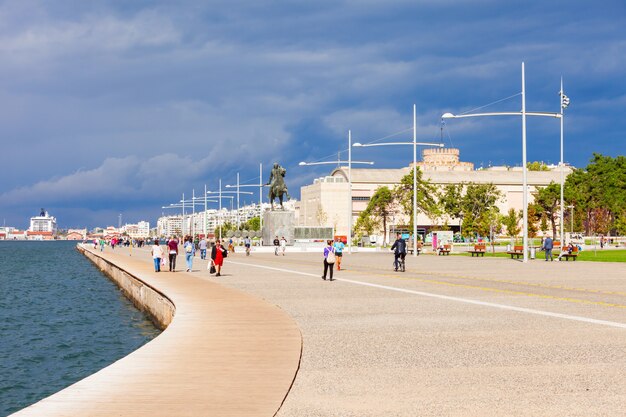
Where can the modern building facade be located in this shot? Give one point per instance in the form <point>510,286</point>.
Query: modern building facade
<point>326,201</point>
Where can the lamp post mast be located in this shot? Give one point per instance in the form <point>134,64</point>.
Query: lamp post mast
<point>562,168</point>
<point>193,213</point>
<point>205,210</point>
<point>414,180</point>
<point>237,201</point>
<point>524,179</point>
<point>350,191</point>
<point>261,197</point>
<point>219,217</point>
<point>183,222</point>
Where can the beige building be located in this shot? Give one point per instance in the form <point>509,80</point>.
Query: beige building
<point>326,203</point>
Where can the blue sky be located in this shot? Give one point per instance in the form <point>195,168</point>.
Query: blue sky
<point>115,107</point>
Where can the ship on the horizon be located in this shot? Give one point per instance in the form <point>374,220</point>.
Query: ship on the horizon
<point>43,225</point>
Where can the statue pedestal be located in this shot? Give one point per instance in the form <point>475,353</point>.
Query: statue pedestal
<point>278,223</point>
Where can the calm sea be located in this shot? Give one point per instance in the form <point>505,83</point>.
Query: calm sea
<point>61,320</point>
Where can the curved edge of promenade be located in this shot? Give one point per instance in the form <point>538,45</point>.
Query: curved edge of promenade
<point>223,352</point>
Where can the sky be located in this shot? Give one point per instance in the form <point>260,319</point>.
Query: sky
<point>112,107</point>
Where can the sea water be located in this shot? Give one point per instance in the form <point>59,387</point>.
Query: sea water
<point>61,320</point>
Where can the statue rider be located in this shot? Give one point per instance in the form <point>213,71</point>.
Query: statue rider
<point>277,183</point>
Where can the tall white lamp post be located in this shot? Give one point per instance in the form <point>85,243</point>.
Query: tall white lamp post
<point>523,113</point>
<point>349,162</point>
<point>260,185</point>
<point>414,143</point>
<point>564,102</point>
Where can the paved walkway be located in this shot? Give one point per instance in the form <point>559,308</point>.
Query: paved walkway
<point>225,353</point>
<point>453,336</point>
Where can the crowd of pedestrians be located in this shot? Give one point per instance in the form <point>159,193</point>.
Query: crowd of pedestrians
<point>189,247</point>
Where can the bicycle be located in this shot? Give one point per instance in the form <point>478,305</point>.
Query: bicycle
<point>401,266</point>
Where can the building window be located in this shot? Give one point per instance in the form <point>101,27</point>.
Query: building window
<point>360,198</point>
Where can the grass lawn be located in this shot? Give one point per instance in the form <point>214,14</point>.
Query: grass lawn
<point>618,255</point>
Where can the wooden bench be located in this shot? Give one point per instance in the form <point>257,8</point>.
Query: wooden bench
<point>445,250</point>
<point>479,250</point>
<point>410,250</point>
<point>517,252</point>
<point>572,255</point>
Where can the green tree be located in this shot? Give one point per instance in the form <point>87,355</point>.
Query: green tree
<point>426,195</point>
<point>450,200</point>
<point>537,166</point>
<point>364,226</point>
<point>380,208</point>
<point>253,224</point>
<point>547,203</point>
<point>478,203</point>
<point>599,193</point>
<point>511,222</point>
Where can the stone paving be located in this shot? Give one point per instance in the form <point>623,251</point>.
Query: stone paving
<point>452,336</point>
<point>549,338</point>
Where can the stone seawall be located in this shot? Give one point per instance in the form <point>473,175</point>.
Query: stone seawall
<point>223,352</point>
<point>146,298</point>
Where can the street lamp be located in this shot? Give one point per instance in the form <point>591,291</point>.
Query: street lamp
<point>522,113</point>
<point>564,102</point>
<point>415,143</point>
<point>349,162</point>
<point>238,186</point>
<point>260,185</point>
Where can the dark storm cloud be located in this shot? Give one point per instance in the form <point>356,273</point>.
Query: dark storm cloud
<point>141,101</point>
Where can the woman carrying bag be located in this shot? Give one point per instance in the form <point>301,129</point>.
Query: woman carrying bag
<point>329,259</point>
<point>218,253</point>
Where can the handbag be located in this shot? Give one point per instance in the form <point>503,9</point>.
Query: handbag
<point>330,258</point>
<point>211,267</point>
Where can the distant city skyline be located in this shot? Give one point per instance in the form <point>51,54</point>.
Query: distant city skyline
<point>111,107</point>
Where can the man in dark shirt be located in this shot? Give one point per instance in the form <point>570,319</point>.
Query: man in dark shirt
<point>548,244</point>
<point>399,250</point>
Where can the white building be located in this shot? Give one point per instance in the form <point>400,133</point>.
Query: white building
<point>43,223</point>
<point>209,220</point>
<point>326,201</point>
<point>170,226</point>
<point>140,230</point>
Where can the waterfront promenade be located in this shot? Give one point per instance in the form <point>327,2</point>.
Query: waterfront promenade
<point>454,336</point>
<point>225,353</point>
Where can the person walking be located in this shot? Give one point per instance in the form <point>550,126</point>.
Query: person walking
<point>329,259</point>
<point>217,257</point>
<point>202,246</point>
<point>276,245</point>
<point>339,246</point>
<point>283,245</point>
<point>101,244</point>
<point>247,244</point>
<point>548,244</point>
<point>172,247</point>
<point>190,251</point>
<point>157,255</point>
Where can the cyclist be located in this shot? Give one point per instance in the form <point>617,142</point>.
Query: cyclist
<point>246,243</point>
<point>276,245</point>
<point>399,251</point>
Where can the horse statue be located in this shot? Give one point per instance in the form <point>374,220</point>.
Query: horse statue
<point>277,185</point>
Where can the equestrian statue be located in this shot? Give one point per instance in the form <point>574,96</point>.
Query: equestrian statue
<point>277,185</point>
